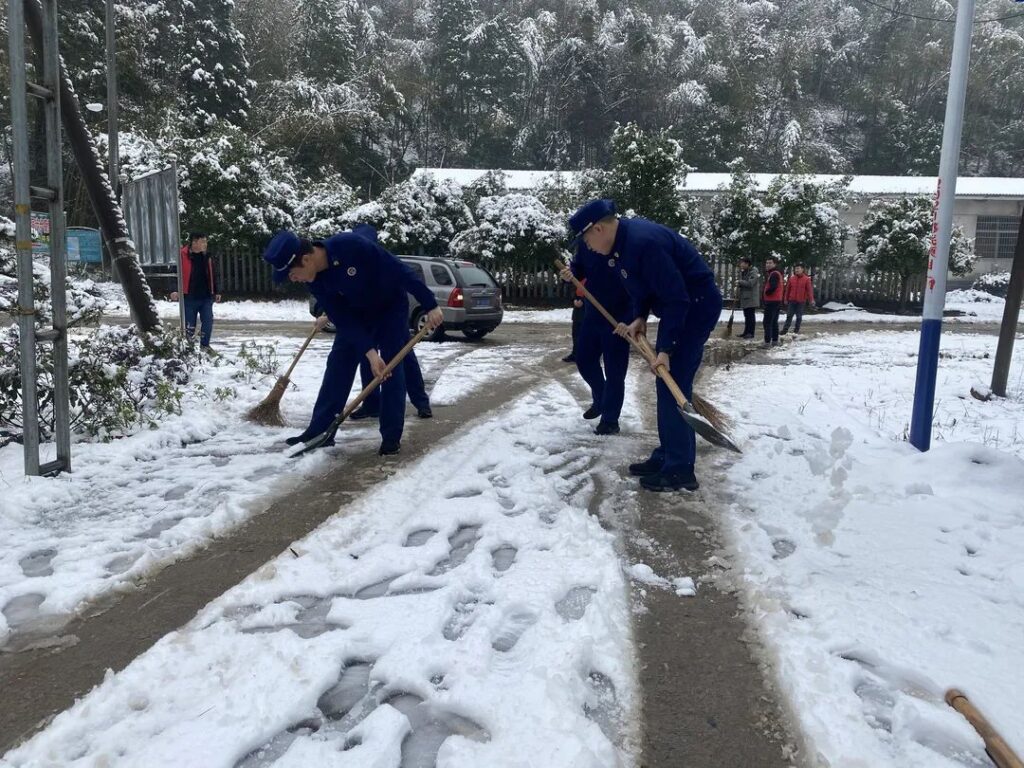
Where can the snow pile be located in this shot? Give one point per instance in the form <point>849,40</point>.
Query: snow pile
<point>996,283</point>
<point>880,576</point>
<point>462,613</point>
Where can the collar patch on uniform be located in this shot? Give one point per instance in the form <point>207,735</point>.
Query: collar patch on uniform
<point>351,271</point>
<point>335,262</point>
<point>624,275</point>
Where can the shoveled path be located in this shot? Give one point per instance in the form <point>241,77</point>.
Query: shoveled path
<point>706,699</point>
<point>36,685</point>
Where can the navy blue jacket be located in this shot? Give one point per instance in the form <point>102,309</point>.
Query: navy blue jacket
<point>662,272</point>
<point>604,283</point>
<point>362,283</point>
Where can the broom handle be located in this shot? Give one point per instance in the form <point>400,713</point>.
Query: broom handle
<point>288,373</point>
<point>1001,752</point>
<point>640,344</point>
<point>392,364</point>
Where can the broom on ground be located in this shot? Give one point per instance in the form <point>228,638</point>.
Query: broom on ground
<point>727,333</point>
<point>268,412</point>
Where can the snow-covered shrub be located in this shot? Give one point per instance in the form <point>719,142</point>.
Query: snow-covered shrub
<point>795,220</point>
<point>233,187</point>
<point>323,206</point>
<point>995,283</point>
<point>118,379</point>
<point>512,230</point>
<point>422,215</point>
<point>647,174</point>
<point>895,236</point>
<point>84,301</point>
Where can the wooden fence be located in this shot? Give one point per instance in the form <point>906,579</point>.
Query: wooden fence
<point>244,273</point>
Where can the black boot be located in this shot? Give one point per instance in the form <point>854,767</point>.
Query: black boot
<point>425,413</point>
<point>570,358</point>
<point>389,448</point>
<point>607,428</point>
<point>362,412</point>
<point>592,412</point>
<point>670,481</point>
<point>644,468</point>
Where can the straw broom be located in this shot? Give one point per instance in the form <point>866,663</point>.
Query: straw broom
<point>727,333</point>
<point>268,412</point>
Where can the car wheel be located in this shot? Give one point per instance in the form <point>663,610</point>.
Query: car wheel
<point>420,320</point>
<point>474,333</point>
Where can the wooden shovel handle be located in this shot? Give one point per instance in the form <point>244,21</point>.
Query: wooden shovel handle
<point>288,373</point>
<point>640,344</point>
<point>995,745</point>
<point>392,364</point>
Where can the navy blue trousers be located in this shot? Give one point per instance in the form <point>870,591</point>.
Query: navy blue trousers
<point>390,334</point>
<point>678,449</point>
<point>414,385</point>
<point>203,307</point>
<point>597,342</point>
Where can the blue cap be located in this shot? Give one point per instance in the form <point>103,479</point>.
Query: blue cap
<point>281,253</point>
<point>366,232</point>
<point>589,214</point>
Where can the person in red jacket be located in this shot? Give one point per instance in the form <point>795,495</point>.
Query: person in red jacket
<point>799,291</point>
<point>774,289</point>
<point>199,284</point>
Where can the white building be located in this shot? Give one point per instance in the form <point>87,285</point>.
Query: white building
<point>988,208</point>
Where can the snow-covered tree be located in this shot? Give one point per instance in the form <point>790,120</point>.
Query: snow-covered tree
<point>196,51</point>
<point>233,186</point>
<point>895,236</point>
<point>512,230</point>
<point>422,215</point>
<point>647,174</point>
<point>323,206</point>
<point>795,220</point>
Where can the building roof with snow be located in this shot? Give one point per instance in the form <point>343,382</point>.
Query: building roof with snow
<point>974,187</point>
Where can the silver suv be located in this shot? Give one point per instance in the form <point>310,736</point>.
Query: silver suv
<point>468,295</point>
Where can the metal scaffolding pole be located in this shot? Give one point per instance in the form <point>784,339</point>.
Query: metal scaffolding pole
<point>48,93</point>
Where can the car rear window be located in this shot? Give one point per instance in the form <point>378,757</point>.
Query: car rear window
<point>475,276</point>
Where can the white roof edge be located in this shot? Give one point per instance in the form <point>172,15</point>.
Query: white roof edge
<point>967,186</point>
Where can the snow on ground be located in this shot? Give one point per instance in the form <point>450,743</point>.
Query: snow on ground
<point>879,576</point>
<point>463,611</point>
<point>138,502</point>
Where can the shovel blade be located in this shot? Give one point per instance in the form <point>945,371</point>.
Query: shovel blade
<point>316,442</point>
<point>707,430</point>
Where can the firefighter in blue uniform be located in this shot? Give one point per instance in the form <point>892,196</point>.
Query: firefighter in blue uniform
<point>363,290</point>
<point>664,274</point>
<point>370,408</point>
<point>597,340</point>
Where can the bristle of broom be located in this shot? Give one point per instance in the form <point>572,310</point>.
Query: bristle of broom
<point>711,414</point>
<point>268,412</point>
<point>727,333</point>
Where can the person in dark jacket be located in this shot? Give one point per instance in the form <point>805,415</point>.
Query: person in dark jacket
<point>363,289</point>
<point>577,321</point>
<point>799,292</point>
<point>749,289</point>
<point>199,284</point>
<point>416,389</point>
<point>662,273</point>
<point>774,289</point>
<point>597,341</point>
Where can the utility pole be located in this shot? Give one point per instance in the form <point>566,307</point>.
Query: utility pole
<point>1008,330</point>
<point>112,100</point>
<point>942,231</point>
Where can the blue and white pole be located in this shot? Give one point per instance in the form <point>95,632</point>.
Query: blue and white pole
<point>942,231</point>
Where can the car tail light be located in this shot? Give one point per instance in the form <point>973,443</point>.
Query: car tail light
<point>455,298</point>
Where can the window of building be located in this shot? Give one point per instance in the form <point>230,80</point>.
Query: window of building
<point>996,237</point>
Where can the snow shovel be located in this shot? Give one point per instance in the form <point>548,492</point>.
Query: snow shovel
<point>268,412</point>
<point>329,433</point>
<point>1000,752</point>
<point>700,424</point>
